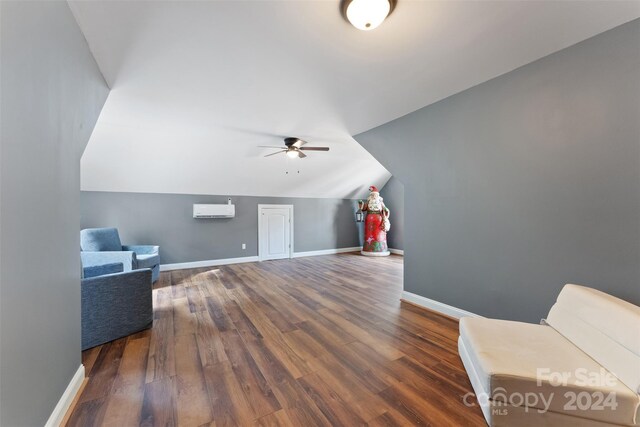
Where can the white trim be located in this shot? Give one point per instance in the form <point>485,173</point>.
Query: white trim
<point>242,260</point>
<point>440,307</point>
<point>397,251</point>
<point>207,263</point>
<point>326,252</point>
<point>66,399</point>
<point>265,206</point>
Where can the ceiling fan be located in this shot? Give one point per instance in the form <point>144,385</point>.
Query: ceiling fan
<point>294,148</point>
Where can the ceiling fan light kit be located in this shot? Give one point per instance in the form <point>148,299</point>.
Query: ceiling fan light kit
<point>366,15</point>
<point>293,147</point>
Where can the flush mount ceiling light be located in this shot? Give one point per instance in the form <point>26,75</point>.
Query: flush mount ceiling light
<point>367,14</point>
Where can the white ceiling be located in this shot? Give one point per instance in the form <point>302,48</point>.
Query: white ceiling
<point>197,85</point>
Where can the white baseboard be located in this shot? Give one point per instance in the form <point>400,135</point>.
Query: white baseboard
<point>397,251</point>
<point>67,399</point>
<point>207,263</point>
<point>326,252</point>
<point>228,261</point>
<point>440,307</point>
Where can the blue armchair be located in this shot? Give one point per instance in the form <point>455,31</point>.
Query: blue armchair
<point>101,246</point>
<point>114,303</point>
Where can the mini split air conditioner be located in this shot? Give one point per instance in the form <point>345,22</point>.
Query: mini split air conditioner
<point>214,211</point>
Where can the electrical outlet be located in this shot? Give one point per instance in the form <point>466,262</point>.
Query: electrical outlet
<point>244,246</point>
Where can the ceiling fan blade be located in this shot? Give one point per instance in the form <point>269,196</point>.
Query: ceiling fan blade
<point>315,148</point>
<point>301,155</point>
<point>269,146</point>
<point>277,152</point>
<point>294,142</point>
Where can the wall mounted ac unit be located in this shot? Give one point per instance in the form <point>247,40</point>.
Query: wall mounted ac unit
<point>214,211</point>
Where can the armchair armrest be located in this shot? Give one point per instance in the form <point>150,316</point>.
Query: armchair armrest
<point>127,258</point>
<point>101,270</point>
<point>142,249</point>
<point>115,305</point>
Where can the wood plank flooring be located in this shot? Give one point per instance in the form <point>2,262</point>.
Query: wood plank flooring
<point>315,341</point>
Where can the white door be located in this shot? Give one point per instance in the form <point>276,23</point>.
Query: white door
<point>275,233</point>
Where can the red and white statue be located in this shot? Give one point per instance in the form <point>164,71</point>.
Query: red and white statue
<point>376,224</point>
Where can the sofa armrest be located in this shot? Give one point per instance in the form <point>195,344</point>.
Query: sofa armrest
<point>115,305</point>
<point>142,249</point>
<point>101,270</point>
<point>126,258</point>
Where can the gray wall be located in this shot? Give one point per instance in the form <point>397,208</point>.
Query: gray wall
<point>393,195</point>
<point>167,220</point>
<point>52,93</point>
<point>526,182</point>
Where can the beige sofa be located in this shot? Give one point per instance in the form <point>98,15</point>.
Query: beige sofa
<point>581,367</point>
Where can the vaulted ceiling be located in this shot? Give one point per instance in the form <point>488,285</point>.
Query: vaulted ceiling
<point>198,85</point>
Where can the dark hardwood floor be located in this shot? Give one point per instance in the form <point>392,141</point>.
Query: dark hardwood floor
<point>303,342</point>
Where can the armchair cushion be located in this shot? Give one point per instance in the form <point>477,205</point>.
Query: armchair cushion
<point>148,261</point>
<point>100,239</point>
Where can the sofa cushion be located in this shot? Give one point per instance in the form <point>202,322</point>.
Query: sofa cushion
<point>603,326</point>
<point>100,239</point>
<point>148,261</point>
<point>514,359</point>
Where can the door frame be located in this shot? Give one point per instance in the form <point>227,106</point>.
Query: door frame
<point>260,208</point>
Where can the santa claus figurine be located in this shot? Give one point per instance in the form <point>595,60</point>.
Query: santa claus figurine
<point>376,224</point>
